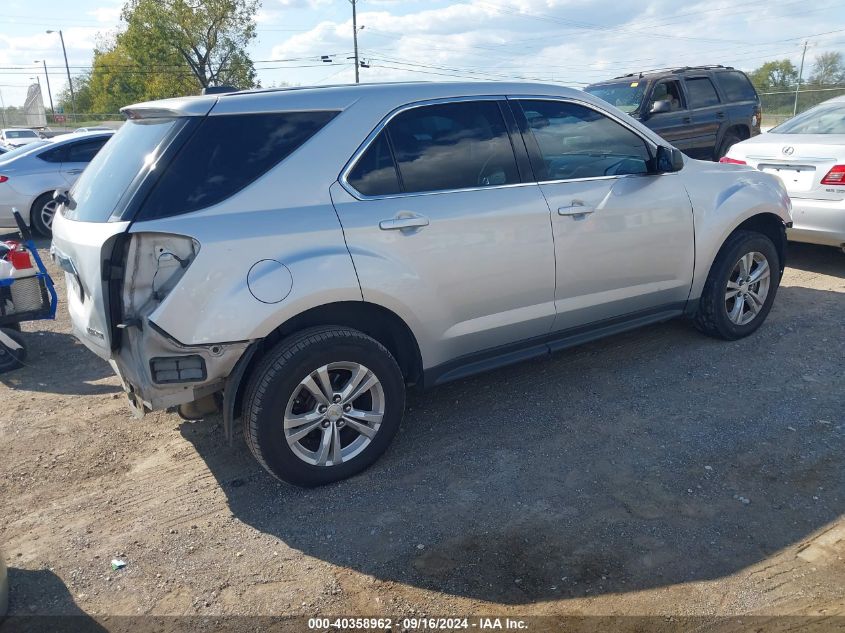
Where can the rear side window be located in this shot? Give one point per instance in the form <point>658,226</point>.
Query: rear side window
<point>452,146</point>
<point>736,86</point>
<point>84,152</point>
<point>573,141</point>
<point>375,172</point>
<point>225,154</point>
<point>55,155</point>
<point>701,92</point>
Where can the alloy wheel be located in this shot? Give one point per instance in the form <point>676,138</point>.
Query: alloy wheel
<point>334,413</point>
<point>747,288</point>
<point>48,212</point>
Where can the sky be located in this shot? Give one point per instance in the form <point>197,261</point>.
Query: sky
<point>572,42</point>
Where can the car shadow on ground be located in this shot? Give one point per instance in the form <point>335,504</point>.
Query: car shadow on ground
<point>648,459</point>
<point>85,371</point>
<point>825,260</point>
<point>50,599</point>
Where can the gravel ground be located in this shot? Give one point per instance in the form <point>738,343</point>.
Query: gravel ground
<point>655,472</point>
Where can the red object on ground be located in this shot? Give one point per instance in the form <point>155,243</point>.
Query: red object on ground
<point>18,256</point>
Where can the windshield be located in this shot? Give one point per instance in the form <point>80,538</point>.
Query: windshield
<point>823,119</point>
<point>23,149</point>
<point>21,134</point>
<point>625,95</point>
<point>101,186</point>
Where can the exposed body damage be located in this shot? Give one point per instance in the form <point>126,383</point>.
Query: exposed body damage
<point>155,262</point>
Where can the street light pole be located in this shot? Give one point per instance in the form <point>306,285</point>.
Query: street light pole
<point>800,77</point>
<point>49,93</point>
<point>355,38</point>
<point>67,68</point>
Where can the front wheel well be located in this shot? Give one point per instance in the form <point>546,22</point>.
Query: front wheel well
<point>375,321</point>
<point>771,226</point>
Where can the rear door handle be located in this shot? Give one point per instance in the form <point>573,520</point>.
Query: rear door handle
<point>576,209</point>
<point>687,119</point>
<point>720,115</point>
<point>74,171</point>
<point>411,222</point>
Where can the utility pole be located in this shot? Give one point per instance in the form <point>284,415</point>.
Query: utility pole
<point>67,68</point>
<point>800,77</point>
<point>355,38</point>
<point>49,93</point>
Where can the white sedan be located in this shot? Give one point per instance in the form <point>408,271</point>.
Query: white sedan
<point>808,154</point>
<point>15,137</point>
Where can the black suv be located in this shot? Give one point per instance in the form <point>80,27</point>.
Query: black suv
<point>701,110</point>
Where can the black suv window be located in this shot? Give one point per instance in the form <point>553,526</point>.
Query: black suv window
<point>224,155</point>
<point>736,86</point>
<point>84,151</point>
<point>375,172</point>
<point>701,92</point>
<point>668,90</point>
<point>453,146</point>
<point>574,141</point>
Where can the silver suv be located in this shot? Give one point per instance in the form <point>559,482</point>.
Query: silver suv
<point>298,257</point>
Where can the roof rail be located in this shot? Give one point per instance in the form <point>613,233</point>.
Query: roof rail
<point>674,69</point>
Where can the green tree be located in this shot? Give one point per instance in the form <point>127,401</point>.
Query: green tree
<point>209,37</point>
<point>828,69</point>
<point>775,75</point>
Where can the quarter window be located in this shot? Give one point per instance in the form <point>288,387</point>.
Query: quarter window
<point>701,92</point>
<point>225,154</point>
<point>574,141</point>
<point>452,146</point>
<point>736,86</point>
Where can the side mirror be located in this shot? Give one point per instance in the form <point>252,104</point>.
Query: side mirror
<point>668,159</point>
<point>659,107</point>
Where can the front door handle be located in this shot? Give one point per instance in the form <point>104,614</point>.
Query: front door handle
<point>687,119</point>
<point>410,222</point>
<point>576,209</point>
<point>720,115</point>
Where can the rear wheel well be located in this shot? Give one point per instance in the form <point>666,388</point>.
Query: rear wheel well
<point>741,131</point>
<point>373,320</point>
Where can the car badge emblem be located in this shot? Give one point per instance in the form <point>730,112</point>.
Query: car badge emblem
<point>788,150</point>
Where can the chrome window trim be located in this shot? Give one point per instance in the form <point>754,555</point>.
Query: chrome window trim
<point>347,168</point>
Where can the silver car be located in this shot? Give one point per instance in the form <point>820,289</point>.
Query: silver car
<point>297,257</point>
<point>29,176</point>
<point>808,154</point>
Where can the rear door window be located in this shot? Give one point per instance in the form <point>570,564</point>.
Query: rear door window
<point>225,154</point>
<point>736,86</point>
<point>375,172</point>
<point>572,141</point>
<point>84,151</point>
<point>702,92</point>
<point>459,145</point>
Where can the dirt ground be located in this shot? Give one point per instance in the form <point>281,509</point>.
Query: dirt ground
<point>657,472</point>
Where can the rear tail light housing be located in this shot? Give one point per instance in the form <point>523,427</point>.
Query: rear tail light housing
<point>836,176</point>
<point>3,178</point>
<point>732,161</point>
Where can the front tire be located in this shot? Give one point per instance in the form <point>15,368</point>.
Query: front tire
<point>740,288</point>
<point>323,405</point>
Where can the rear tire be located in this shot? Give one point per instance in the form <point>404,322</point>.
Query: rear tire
<point>323,405</point>
<point>740,287</point>
<point>730,139</point>
<point>42,213</point>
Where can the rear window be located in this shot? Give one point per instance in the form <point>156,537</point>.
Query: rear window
<point>823,119</point>
<point>736,86</point>
<point>21,134</point>
<point>701,92</point>
<point>225,154</point>
<point>101,186</point>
